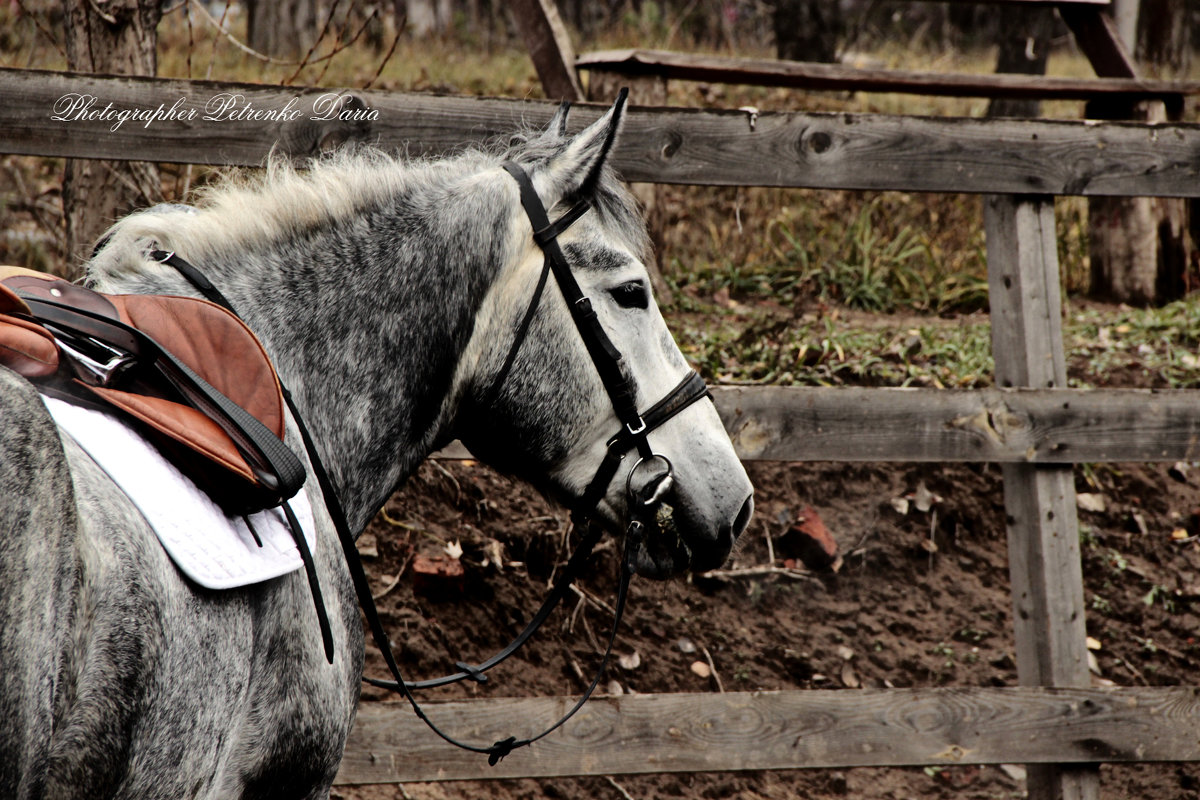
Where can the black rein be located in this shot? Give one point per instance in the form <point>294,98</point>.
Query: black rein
<point>622,391</point>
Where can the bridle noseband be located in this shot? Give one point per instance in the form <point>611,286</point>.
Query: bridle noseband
<point>644,495</point>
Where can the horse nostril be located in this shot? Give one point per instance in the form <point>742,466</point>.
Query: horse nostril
<point>743,517</point>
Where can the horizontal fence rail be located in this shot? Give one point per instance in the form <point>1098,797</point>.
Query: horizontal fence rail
<point>838,77</point>
<point>730,148</point>
<point>780,730</point>
<point>1048,426</point>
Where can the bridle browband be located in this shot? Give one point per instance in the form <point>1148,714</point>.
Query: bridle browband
<point>643,501</point>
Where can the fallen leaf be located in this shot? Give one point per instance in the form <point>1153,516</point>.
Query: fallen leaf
<point>1179,534</point>
<point>1087,501</point>
<point>614,688</point>
<point>1093,643</point>
<point>849,678</point>
<point>686,645</point>
<point>809,541</point>
<point>844,652</point>
<point>1014,771</point>
<point>630,661</point>
<point>900,505</point>
<point>923,499</point>
<point>495,553</point>
<point>701,669</point>
<point>1093,663</point>
<point>368,546</point>
<point>454,550</point>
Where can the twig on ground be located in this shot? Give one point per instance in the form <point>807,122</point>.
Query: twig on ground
<point>716,676</point>
<point>569,625</point>
<point>399,523</point>
<point>450,477</point>
<point>587,629</point>
<point>758,572</point>
<point>396,580</point>
<point>618,787</point>
<point>400,572</point>
<point>575,668</point>
<point>583,594</point>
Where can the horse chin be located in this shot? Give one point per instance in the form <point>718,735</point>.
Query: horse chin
<point>664,553</point>
<point>651,560</point>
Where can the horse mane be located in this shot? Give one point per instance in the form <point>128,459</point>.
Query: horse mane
<point>250,208</point>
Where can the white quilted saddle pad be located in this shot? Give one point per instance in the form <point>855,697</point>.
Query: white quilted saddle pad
<point>211,548</point>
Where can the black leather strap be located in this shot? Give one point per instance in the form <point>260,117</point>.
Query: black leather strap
<point>621,390</point>
<point>275,465</point>
<point>362,588</point>
<point>562,586</point>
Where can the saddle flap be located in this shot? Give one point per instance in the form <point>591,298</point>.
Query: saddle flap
<point>199,335</point>
<point>215,344</point>
<point>182,424</point>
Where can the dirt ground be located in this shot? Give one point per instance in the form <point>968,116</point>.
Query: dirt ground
<point>920,599</point>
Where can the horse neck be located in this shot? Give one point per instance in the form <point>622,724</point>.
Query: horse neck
<point>367,331</point>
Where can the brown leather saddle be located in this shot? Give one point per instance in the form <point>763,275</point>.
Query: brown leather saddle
<point>191,374</point>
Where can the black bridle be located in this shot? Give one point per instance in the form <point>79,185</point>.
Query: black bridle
<point>647,481</point>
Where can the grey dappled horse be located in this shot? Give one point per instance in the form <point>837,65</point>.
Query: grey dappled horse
<point>387,294</point>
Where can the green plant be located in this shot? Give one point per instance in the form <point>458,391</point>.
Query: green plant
<point>1162,595</point>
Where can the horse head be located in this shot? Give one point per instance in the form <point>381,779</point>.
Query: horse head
<point>549,381</point>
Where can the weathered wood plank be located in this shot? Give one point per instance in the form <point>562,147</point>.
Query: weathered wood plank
<point>1044,560</point>
<point>845,151</point>
<point>779,730</point>
<point>1006,426</point>
<point>838,77</point>
<point>1036,2</point>
<point>1097,36</point>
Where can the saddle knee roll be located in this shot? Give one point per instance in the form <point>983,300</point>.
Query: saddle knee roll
<point>27,348</point>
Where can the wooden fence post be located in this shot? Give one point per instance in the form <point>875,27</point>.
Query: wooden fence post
<point>1043,533</point>
<point>549,47</point>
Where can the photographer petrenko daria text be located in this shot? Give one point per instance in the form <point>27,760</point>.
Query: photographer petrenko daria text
<point>220,107</point>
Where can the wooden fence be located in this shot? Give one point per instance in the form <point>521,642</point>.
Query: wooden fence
<point>1031,424</point>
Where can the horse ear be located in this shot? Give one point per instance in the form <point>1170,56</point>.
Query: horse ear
<point>558,123</point>
<point>576,168</point>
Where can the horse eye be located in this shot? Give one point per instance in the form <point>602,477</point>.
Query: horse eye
<point>631,295</point>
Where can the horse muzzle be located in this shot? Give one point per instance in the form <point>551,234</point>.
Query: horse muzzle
<point>675,540</point>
